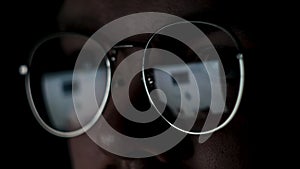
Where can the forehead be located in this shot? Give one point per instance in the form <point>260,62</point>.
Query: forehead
<point>95,13</point>
<point>87,16</point>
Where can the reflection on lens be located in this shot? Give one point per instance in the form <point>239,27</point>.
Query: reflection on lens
<point>52,85</point>
<point>211,62</point>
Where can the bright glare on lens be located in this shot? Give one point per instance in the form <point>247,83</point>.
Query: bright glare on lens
<point>23,70</point>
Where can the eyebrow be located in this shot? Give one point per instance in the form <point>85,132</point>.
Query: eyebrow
<point>234,27</point>
<point>78,27</point>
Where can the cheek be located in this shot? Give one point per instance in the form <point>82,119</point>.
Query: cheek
<point>86,154</point>
<point>227,148</point>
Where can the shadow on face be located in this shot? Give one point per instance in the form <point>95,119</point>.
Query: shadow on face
<point>227,148</point>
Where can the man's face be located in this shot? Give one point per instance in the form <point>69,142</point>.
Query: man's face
<point>226,148</point>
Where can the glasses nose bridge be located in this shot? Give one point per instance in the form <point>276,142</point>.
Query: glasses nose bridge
<point>114,55</point>
<point>127,74</point>
<point>124,57</point>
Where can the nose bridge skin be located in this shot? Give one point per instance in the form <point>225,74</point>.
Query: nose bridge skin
<point>136,94</point>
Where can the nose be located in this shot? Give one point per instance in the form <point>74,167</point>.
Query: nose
<point>129,100</point>
<point>128,88</point>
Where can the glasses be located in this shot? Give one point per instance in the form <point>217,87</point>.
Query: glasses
<point>200,89</point>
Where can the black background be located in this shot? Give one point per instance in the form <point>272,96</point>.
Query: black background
<point>26,145</point>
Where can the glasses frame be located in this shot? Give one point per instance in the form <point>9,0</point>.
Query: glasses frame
<point>67,134</point>
<point>25,70</point>
<point>239,56</point>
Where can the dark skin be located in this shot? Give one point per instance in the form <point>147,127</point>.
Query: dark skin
<point>226,148</point>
